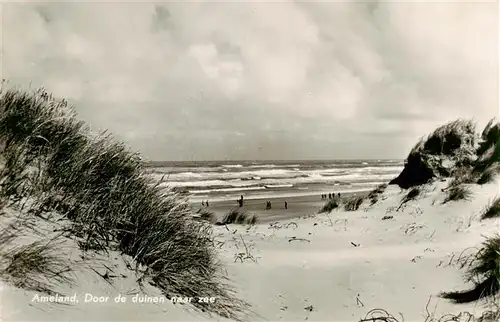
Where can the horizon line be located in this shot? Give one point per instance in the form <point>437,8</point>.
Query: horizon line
<point>279,160</point>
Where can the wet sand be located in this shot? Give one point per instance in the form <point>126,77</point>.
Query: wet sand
<point>297,206</point>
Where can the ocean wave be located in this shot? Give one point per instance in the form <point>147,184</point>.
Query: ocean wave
<point>230,166</point>
<point>259,166</point>
<point>225,184</point>
<point>276,174</point>
<point>226,190</point>
<point>270,186</point>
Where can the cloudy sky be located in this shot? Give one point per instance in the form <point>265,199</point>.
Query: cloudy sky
<point>281,80</point>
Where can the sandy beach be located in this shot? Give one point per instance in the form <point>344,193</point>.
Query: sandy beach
<point>297,206</point>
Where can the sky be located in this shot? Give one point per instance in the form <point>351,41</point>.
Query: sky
<point>255,80</point>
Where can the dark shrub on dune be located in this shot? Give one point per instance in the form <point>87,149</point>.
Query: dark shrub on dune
<point>449,146</point>
<point>489,137</point>
<point>454,150</point>
<point>487,165</point>
<point>109,198</point>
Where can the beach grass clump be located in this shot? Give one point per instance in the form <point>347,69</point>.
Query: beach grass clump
<point>206,215</point>
<point>489,174</point>
<point>412,194</point>
<point>353,203</point>
<point>375,193</point>
<point>484,273</point>
<point>237,216</point>
<point>457,192</point>
<point>329,206</point>
<point>110,199</point>
<point>492,210</point>
<point>36,267</point>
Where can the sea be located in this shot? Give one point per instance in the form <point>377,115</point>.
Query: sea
<point>228,180</point>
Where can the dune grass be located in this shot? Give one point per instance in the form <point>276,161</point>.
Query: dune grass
<point>206,215</point>
<point>411,195</point>
<point>484,273</point>
<point>109,198</point>
<point>353,203</point>
<point>492,210</point>
<point>237,216</point>
<point>489,136</point>
<point>36,266</point>
<point>375,193</point>
<point>457,192</point>
<point>489,174</point>
<point>329,206</point>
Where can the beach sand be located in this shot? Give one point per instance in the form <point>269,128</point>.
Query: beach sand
<point>297,206</point>
<point>320,267</point>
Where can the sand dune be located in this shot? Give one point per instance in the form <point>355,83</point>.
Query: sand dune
<point>309,262</point>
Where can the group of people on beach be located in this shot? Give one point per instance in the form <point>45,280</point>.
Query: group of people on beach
<point>268,203</point>
<point>330,196</point>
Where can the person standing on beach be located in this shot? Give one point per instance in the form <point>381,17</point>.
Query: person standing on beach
<point>206,203</point>
<point>286,205</point>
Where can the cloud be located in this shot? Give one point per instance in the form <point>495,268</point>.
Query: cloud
<point>286,80</point>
